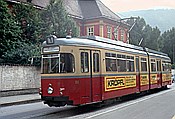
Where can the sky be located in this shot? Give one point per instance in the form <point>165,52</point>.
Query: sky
<point>133,5</point>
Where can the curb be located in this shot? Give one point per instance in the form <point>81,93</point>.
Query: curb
<point>20,102</point>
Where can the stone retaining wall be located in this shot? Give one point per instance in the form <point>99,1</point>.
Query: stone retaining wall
<point>16,78</point>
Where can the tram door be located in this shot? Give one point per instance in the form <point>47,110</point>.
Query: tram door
<point>137,73</point>
<point>91,69</point>
<point>95,75</point>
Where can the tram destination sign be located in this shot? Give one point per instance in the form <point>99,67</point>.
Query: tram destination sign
<point>51,49</point>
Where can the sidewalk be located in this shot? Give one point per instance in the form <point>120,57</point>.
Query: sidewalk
<point>19,99</point>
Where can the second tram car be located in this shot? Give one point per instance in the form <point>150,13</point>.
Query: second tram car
<point>78,71</point>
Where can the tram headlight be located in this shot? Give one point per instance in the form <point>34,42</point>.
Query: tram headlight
<point>50,90</point>
<point>40,91</point>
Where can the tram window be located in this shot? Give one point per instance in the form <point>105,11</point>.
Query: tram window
<point>110,55</point>
<point>153,65</point>
<point>67,63</point>
<point>122,65</point>
<point>111,62</point>
<point>58,63</point>
<point>166,66</point>
<point>130,64</point>
<point>84,62</point>
<point>143,64</point>
<point>96,62</point>
<point>121,56</point>
<point>158,65</point>
<point>137,64</point>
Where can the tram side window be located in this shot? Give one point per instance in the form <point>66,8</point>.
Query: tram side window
<point>166,66</point>
<point>130,64</point>
<point>158,65</point>
<point>143,64</point>
<point>137,64</point>
<point>153,65</point>
<point>111,62</point>
<point>121,60</point>
<point>84,62</point>
<point>96,62</point>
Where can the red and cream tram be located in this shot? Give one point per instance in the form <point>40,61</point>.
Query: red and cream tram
<point>78,71</point>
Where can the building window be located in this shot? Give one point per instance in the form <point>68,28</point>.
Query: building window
<point>109,29</point>
<point>116,34</point>
<point>90,31</point>
<point>122,34</point>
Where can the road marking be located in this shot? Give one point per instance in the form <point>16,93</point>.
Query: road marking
<point>129,104</point>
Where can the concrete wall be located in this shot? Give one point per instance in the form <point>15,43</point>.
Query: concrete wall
<point>19,77</point>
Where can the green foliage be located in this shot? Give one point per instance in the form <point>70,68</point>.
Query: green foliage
<point>162,18</point>
<point>56,21</point>
<point>22,53</point>
<point>136,34</point>
<point>23,28</point>
<point>10,31</point>
<point>142,30</point>
<point>28,18</point>
<point>152,38</point>
<point>18,31</point>
<point>168,43</point>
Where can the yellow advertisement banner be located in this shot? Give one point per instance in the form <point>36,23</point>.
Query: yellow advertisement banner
<point>154,78</point>
<point>166,77</point>
<point>119,82</point>
<point>144,80</point>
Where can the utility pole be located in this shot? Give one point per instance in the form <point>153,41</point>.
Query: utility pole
<point>122,21</point>
<point>173,54</point>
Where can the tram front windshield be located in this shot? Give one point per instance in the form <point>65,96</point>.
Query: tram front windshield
<point>58,63</point>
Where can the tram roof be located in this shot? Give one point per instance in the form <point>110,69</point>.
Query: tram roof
<point>105,43</point>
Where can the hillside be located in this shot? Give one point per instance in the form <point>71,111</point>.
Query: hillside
<point>164,19</point>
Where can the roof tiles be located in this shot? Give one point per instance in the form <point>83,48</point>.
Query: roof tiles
<point>84,9</point>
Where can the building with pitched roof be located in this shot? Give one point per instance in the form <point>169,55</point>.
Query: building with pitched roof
<point>92,18</point>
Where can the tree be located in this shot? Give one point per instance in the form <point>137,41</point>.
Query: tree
<point>10,31</point>
<point>168,45</point>
<point>21,40</point>
<point>144,31</point>
<point>151,36</point>
<point>23,28</point>
<point>28,18</point>
<point>22,54</point>
<point>55,20</point>
<point>136,33</point>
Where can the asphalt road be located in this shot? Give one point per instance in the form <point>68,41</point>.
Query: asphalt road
<point>156,106</point>
<point>159,105</point>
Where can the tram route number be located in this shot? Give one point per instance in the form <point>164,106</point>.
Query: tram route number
<point>115,83</point>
